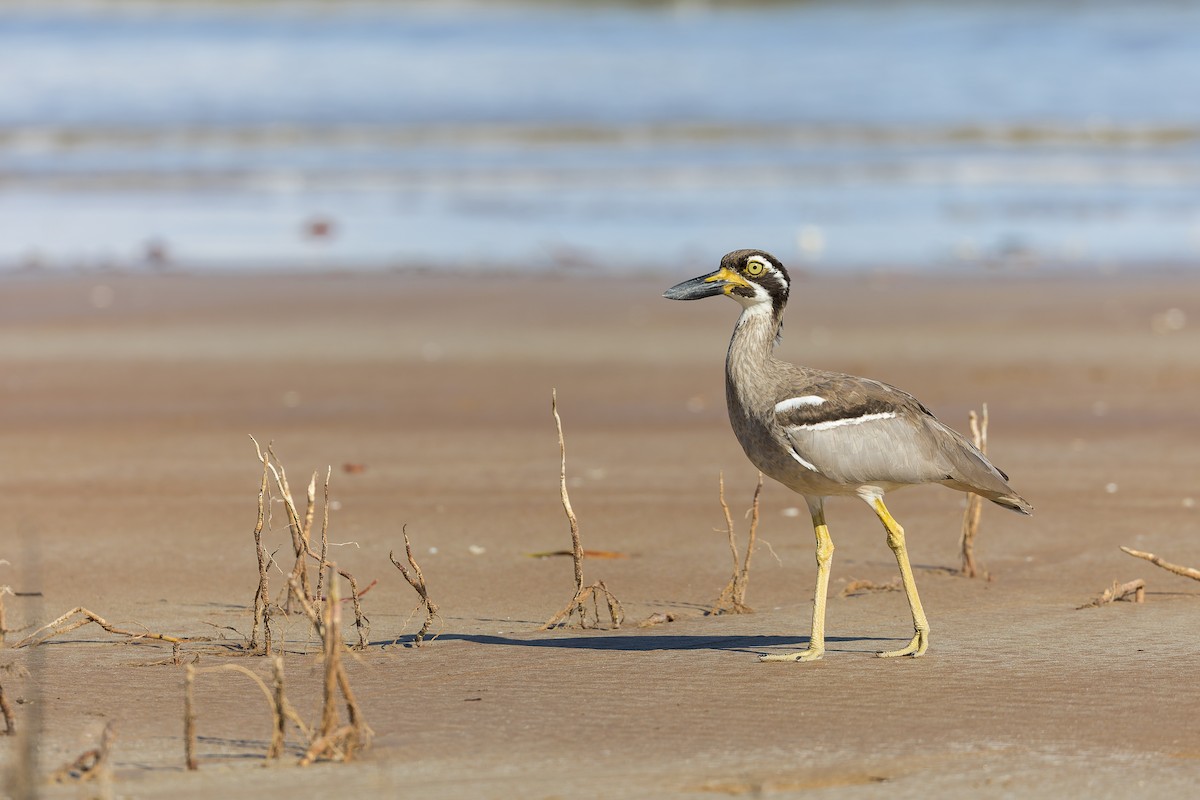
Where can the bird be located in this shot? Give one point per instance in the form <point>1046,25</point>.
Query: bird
<point>827,434</point>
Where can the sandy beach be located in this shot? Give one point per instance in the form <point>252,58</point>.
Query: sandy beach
<point>131,487</point>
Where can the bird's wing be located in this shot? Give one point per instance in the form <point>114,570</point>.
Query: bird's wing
<point>857,431</point>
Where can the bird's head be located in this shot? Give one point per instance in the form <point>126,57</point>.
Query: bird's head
<point>751,277</point>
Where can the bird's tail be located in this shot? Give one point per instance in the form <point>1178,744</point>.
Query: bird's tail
<point>971,471</point>
<point>1008,499</point>
<point>1011,501</point>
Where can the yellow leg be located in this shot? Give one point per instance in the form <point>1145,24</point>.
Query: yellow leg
<point>895,537</point>
<point>816,642</point>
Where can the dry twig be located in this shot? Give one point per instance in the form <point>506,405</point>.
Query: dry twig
<point>576,541</point>
<point>300,527</point>
<point>416,579</point>
<point>189,717</point>
<point>733,596</point>
<point>300,590</point>
<point>583,593</point>
<point>586,554</point>
<point>361,623</point>
<point>282,710</point>
<point>323,558</point>
<point>7,591</point>
<point>10,722</point>
<point>3,614</point>
<point>1119,591</point>
<point>262,596</point>
<point>91,765</point>
<point>333,741</point>
<point>297,594</point>
<point>1186,572</point>
<point>50,630</point>
<point>863,586</point>
<point>970,523</point>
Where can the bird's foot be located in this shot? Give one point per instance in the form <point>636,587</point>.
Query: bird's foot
<point>811,654</point>
<point>916,648</point>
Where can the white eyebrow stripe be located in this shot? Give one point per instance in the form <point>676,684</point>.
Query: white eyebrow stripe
<point>798,402</point>
<point>837,423</point>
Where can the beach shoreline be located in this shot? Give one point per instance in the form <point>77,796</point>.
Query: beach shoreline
<point>131,486</point>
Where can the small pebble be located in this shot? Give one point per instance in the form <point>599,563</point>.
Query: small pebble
<point>1111,488</point>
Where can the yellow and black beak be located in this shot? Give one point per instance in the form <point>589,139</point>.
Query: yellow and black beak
<point>720,282</point>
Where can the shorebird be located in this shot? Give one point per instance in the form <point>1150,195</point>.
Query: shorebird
<point>826,434</point>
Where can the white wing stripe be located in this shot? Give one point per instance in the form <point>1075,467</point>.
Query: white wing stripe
<point>803,463</point>
<point>837,423</point>
<point>798,402</point>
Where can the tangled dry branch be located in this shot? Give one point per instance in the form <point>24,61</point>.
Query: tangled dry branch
<point>596,591</point>
<point>416,579</point>
<point>733,596</point>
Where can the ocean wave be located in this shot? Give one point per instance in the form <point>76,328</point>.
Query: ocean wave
<point>1087,135</point>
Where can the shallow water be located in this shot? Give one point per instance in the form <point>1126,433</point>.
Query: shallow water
<point>838,135</point>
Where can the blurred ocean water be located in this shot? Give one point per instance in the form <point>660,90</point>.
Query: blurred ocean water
<point>839,135</point>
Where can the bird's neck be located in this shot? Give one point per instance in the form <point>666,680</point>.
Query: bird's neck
<point>747,364</point>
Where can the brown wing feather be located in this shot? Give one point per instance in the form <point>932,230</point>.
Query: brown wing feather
<point>900,441</point>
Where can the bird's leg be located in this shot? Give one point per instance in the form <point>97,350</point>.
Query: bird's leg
<point>816,641</point>
<point>895,538</point>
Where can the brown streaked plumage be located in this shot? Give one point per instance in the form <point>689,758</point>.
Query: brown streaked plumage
<point>826,434</point>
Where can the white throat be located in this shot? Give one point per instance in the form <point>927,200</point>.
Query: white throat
<point>756,328</point>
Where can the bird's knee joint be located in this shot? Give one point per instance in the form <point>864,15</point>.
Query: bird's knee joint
<point>895,539</point>
<point>824,553</point>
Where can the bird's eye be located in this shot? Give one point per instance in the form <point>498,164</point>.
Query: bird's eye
<point>754,267</point>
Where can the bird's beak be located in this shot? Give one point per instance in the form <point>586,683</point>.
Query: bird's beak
<point>710,285</point>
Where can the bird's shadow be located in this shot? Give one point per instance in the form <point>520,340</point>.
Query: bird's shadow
<point>757,645</point>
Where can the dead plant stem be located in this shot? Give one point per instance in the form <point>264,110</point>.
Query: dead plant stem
<point>416,579</point>
<point>10,723</point>
<point>974,511</point>
<point>189,717</point>
<point>582,593</point>
<point>37,636</point>
<point>262,597</point>
<point>1187,572</point>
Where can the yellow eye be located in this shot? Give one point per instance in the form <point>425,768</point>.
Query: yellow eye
<point>754,267</point>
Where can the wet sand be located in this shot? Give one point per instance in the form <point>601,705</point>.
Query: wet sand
<point>130,488</point>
